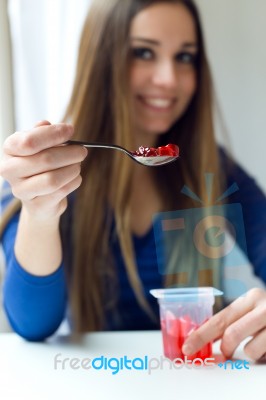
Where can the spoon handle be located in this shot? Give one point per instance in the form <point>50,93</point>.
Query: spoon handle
<point>99,145</point>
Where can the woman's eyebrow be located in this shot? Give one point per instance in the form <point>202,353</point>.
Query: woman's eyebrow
<point>150,41</point>
<point>190,45</point>
<point>186,45</point>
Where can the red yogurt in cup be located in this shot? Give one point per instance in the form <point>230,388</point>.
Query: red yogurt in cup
<point>182,311</point>
<point>175,332</point>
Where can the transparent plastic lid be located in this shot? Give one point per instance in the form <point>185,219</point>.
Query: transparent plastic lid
<point>185,294</point>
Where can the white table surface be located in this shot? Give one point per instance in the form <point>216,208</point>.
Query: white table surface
<point>27,371</point>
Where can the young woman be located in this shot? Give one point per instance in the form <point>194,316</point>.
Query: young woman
<point>142,79</point>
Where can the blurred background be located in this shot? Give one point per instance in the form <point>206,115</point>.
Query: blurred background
<point>39,43</point>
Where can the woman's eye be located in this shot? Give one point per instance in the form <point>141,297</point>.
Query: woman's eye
<point>142,53</point>
<point>186,58</point>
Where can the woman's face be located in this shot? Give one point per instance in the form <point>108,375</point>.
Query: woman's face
<point>162,75</point>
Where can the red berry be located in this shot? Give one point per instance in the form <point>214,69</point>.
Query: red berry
<point>164,151</point>
<point>171,150</point>
<point>151,152</point>
<point>174,148</point>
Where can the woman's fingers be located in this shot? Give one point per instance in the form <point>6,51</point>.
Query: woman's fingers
<point>54,203</point>
<point>45,183</point>
<point>16,168</point>
<point>246,316</point>
<point>256,347</point>
<point>248,325</point>
<point>40,138</point>
<point>215,327</point>
<point>42,123</point>
<point>40,169</point>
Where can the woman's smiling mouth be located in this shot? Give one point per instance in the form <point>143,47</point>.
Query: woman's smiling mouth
<point>157,103</point>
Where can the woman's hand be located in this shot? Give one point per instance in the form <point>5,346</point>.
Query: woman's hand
<point>245,317</point>
<point>41,174</point>
<point>40,171</point>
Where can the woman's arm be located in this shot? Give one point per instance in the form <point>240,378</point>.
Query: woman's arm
<point>41,173</point>
<point>35,305</point>
<point>38,244</point>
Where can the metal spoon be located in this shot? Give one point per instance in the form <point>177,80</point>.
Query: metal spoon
<point>152,161</point>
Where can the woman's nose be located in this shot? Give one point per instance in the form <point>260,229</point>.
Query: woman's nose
<point>165,75</point>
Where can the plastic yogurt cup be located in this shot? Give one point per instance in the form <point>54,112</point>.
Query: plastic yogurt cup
<point>182,311</point>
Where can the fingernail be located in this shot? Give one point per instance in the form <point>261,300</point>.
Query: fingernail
<point>187,349</point>
<point>85,152</point>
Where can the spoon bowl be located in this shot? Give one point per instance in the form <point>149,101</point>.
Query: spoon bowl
<point>149,161</point>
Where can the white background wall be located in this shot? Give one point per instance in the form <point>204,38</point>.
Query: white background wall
<point>46,34</point>
<point>6,89</point>
<point>235,35</point>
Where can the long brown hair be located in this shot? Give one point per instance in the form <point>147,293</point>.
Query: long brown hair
<point>99,110</point>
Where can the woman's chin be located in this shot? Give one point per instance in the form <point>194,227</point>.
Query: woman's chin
<point>157,131</point>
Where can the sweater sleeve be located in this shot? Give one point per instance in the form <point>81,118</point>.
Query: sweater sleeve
<point>35,306</point>
<point>253,202</point>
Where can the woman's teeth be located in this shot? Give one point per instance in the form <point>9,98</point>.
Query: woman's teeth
<point>160,103</point>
